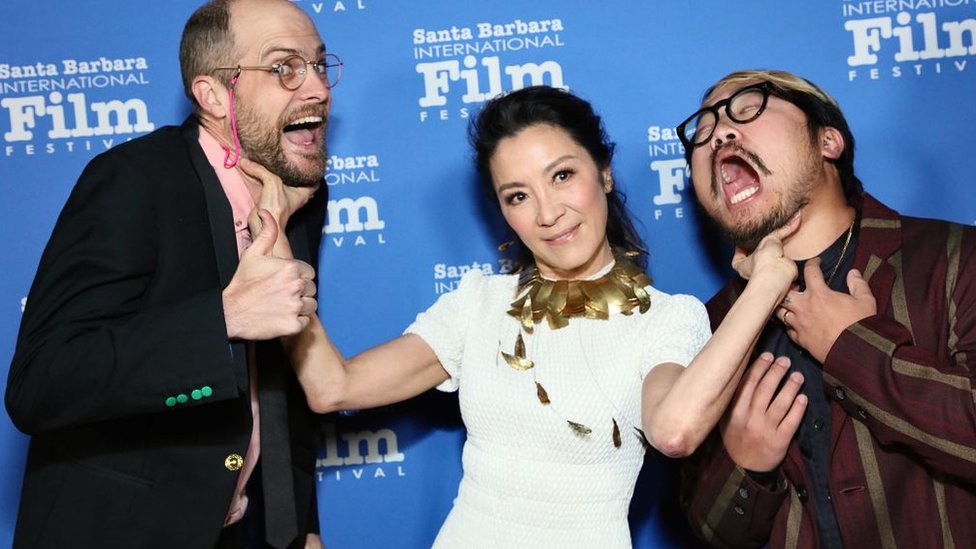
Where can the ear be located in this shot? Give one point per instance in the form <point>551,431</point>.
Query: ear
<point>211,96</point>
<point>607,176</point>
<point>831,143</point>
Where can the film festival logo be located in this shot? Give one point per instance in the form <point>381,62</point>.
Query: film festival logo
<point>669,169</point>
<point>334,6</point>
<point>447,277</point>
<point>908,38</point>
<point>72,105</point>
<point>353,221</point>
<point>359,455</point>
<point>464,65</point>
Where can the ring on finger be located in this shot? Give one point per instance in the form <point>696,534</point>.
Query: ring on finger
<point>785,316</point>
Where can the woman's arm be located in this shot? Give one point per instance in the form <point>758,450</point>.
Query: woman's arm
<point>390,372</point>
<point>682,405</point>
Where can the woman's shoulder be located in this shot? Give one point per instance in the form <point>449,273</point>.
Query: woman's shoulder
<point>674,309</point>
<point>673,315</point>
<point>673,301</point>
<point>477,284</point>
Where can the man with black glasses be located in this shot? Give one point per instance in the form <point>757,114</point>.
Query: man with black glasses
<point>149,368</point>
<point>866,437</point>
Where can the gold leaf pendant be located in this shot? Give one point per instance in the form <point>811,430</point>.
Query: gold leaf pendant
<point>518,360</point>
<point>540,391</point>
<point>579,428</point>
<point>643,440</point>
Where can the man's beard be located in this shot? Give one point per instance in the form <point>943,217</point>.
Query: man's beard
<point>748,235</point>
<point>262,144</point>
<point>750,232</point>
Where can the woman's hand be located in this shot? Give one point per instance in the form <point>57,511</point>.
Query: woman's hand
<point>276,197</point>
<point>767,263</point>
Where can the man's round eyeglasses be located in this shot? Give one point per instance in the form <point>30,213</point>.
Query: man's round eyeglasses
<point>292,70</point>
<point>742,107</point>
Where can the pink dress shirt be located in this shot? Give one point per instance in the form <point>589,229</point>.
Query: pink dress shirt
<point>241,204</point>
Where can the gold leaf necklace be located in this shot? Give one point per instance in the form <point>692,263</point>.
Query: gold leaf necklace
<point>621,290</point>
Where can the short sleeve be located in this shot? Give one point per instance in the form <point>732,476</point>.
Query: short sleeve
<point>677,332</point>
<point>445,325</point>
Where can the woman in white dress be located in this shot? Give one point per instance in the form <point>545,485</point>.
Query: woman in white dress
<point>567,370</point>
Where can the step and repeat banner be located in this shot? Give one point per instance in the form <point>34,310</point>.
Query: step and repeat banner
<point>405,219</point>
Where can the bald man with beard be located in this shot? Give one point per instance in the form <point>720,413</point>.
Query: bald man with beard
<point>149,368</point>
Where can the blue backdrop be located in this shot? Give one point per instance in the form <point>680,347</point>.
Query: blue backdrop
<point>405,221</point>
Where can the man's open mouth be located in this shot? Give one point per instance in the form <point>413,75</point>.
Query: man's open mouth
<point>303,131</point>
<point>739,179</point>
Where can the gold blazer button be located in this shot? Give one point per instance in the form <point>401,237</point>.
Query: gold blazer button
<point>234,462</point>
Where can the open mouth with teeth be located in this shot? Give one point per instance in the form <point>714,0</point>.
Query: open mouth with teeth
<point>303,132</point>
<point>740,180</point>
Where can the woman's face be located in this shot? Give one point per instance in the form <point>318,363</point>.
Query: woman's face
<point>553,196</point>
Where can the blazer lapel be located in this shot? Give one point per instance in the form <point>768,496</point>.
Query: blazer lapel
<point>218,207</point>
<point>221,231</point>
<point>879,238</point>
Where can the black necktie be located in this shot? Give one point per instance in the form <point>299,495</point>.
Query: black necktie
<point>280,518</point>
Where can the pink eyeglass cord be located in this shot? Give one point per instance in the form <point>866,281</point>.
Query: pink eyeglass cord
<point>228,163</point>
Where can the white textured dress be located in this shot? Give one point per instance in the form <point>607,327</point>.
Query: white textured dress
<point>529,480</point>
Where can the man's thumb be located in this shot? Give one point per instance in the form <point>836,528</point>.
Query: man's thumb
<point>263,242</point>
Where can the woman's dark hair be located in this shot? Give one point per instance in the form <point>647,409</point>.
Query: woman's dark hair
<point>510,113</point>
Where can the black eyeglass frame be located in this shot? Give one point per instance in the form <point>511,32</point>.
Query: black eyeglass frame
<point>767,90</point>
<point>321,68</point>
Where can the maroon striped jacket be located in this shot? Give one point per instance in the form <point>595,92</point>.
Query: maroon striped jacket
<point>902,471</point>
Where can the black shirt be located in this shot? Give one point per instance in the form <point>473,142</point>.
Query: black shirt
<point>813,436</point>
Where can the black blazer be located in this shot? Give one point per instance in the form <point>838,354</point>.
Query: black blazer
<point>125,315</point>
